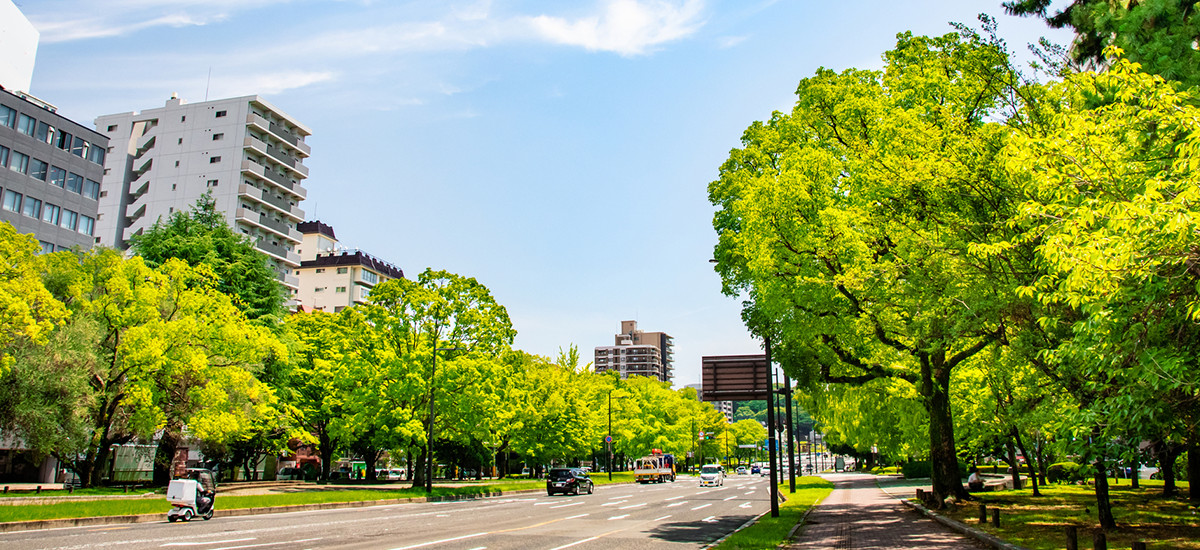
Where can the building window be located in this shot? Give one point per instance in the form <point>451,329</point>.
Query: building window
<point>221,114</point>
<point>96,155</point>
<point>86,225</point>
<point>8,116</point>
<point>27,125</point>
<point>103,194</point>
<point>68,220</point>
<point>58,177</point>
<point>211,183</point>
<point>364,292</point>
<point>79,147</point>
<point>37,169</point>
<point>320,270</point>
<point>64,141</point>
<point>180,141</point>
<point>340,289</point>
<point>45,133</point>
<point>12,201</point>
<point>91,189</point>
<point>319,289</point>
<point>33,208</point>
<point>218,137</point>
<point>74,182</point>
<point>343,270</point>
<point>50,214</point>
<point>20,162</point>
<point>370,276</point>
<point>214,160</point>
<point>112,127</point>
<point>46,247</point>
<point>183,118</point>
<point>3,157</point>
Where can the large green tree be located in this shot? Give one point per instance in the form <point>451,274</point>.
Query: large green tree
<point>202,237</point>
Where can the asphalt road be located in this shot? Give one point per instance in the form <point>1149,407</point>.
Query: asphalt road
<point>635,517</point>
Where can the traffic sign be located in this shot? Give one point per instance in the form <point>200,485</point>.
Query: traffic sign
<point>608,439</point>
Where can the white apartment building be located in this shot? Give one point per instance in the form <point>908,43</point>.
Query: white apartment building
<point>332,277</point>
<point>248,153</point>
<point>637,353</point>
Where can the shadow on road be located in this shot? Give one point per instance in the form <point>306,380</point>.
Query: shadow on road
<point>698,531</point>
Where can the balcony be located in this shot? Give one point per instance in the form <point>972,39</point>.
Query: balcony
<point>263,148</point>
<point>267,197</point>
<point>280,132</point>
<point>262,172</point>
<point>278,251</point>
<point>264,221</point>
<point>290,281</point>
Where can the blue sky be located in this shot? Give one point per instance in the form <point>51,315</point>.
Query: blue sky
<point>559,152</point>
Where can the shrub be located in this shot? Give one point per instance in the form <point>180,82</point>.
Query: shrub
<point>1064,471</point>
<point>916,469</point>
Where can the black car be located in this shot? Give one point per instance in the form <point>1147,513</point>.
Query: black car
<point>568,480</point>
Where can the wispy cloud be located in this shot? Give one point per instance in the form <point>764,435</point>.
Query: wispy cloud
<point>626,27</point>
<point>730,41</point>
<point>81,29</point>
<point>122,17</point>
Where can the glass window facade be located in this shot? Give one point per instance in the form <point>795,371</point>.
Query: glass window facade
<point>12,201</point>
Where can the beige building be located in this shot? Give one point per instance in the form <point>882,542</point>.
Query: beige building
<point>331,277</point>
<point>637,353</point>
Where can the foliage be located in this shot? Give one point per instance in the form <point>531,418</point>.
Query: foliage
<point>27,309</point>
<point>1064,471</point>
<point>202,237</point>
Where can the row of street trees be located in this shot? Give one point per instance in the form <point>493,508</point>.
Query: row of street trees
<point>187,339</point>
<point>956,260</point>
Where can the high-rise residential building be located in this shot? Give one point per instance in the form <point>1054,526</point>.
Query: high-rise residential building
<point>637,353</point>
<point>332,277</point>
<point>18,48</point>
<point>50,169</point>
<point>245,151</point>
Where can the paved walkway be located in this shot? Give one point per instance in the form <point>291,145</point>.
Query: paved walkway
<point>859,515</point>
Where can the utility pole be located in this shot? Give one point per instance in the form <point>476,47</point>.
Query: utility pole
<point>791,447</point>
<point>772,442</point>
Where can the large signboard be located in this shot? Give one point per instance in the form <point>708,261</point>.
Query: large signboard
<point>734,378</point>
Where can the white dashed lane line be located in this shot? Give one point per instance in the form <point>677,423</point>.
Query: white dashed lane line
<point>632,506</point>
<point>701,506</point>
<point>677,504</point>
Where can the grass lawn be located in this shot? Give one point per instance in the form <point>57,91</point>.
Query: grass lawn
<point>312,494</point>
<point>97,491</point>
<point>1039,522</point>
<point>768,532</point>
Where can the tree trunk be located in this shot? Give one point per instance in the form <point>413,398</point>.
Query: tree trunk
<point>1012,462</point>
<point>1028,461</point>
<point>1135,468</point>
<point>943,460</point>
<point>1193,467</point>
<point>419,470</point>
<point>325,449</point>
<point>408,465</point>
<point>1166,467</point>
<point>1103,504</point>
<point>164,457</point>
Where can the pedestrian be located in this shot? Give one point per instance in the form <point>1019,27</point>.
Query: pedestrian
<point>974,481</point>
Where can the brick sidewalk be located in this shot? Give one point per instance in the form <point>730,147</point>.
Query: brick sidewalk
<point>859,515</point>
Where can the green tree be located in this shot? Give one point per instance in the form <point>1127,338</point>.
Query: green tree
<point>313,386</point>
<point>27,309</point>
<point>202,237</point>
<point>852,225</point>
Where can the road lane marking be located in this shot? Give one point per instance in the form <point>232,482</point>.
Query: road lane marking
<point>107,529</point>
<point>702,506</point>
<point>746,505</point>
<point>565,505</point>
<point>626,496</point>
<point>265,544</point>
<point>709,519</point>
<point>518,528</point>
<point>702,492</point>
<point>574,543</point>
<point>619,517</point>
<point>553,502</point>
<point>577,517</point>
<point>480,548</point>
<point>750,493</point>
<point>677,504</point>
<point>632,506</point>
<point>206,543</point>
<point>424,544</point>
<point>673,498</point>
<point>614,503</point>
<point>730,498</point>
<point>660,519</point>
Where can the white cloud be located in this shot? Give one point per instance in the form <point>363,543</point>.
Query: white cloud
<point>730,41</point>
<point>268,84</point>
<point>79,29</point>
<point>627,27</point>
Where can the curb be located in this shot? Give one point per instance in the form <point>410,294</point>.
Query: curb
<point>991,540</point>
<point>14,526</point>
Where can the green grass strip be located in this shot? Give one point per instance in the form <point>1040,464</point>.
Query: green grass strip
<point>768,532</point>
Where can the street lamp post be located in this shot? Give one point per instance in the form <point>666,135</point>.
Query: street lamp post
<point>429,432</point>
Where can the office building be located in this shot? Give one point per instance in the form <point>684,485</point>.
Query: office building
<point>726,407</point>
<point>332,277</point>
<point>637,353</point>
<point>245,151</point>
<point>18,46</point>
<point>50,168</point>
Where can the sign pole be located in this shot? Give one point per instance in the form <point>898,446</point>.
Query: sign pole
<point>791,443</point>
<point>771,440</point>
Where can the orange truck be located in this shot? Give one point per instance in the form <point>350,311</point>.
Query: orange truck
<point>659,467</point>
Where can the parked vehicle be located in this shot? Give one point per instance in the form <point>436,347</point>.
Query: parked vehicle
<point>568,480</point>
<point>656,468</point>
<point>195,495</point>
<point>287,474</point>
<point>741,471</point>
<point>712,475</point>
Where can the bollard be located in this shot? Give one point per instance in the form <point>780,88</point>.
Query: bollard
<point>982,513</point>
<point>1139,545</point>
<point>1072,538</point>
<point>39,490</point>
<point>70,489</point>
<point>1099,541</point>
<point>995,517</point>
<point>920,494</point>
<point>6,489</point>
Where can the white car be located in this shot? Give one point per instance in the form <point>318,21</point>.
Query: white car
<point>712,475</point>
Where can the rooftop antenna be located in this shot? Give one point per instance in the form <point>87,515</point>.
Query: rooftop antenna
<point>208,84</point>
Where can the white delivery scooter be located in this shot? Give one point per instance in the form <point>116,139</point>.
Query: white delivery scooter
<point>193,496</point>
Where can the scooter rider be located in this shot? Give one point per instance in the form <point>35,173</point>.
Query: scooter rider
<point>207,494</point>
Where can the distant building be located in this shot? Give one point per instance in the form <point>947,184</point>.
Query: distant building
<point>637,353</point>
<point>726,407</point>
<point>247,152</point>
<point>332,277</point>
<point>18,48</point>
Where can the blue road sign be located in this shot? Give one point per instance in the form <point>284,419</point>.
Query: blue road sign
<point>608,439</point>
